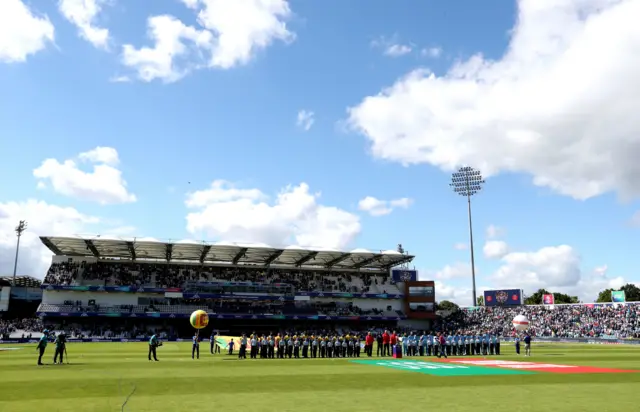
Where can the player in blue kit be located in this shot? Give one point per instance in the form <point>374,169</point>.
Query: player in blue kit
<point>195,350</point>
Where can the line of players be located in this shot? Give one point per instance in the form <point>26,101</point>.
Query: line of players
<point>347,346</point>
<point>302,346</point>
<point>454,345</point>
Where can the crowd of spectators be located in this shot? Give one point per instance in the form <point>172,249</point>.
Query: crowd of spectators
<point>227,306</point>
<point>562,321</point>
<point>27,325</point>
<point>175,276</point>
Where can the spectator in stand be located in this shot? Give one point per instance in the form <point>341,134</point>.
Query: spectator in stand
<point>175,275</point>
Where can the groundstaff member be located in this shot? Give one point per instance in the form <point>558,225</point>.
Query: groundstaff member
<point>153,345</point>
<point>42,345</point>
<point>60,343</point>
<point>527,344</point>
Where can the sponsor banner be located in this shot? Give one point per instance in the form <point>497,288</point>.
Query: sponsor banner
<point>197,295</point>
<point>214,316</point>
<point>441,368</point>
<point>404,275</point>
<point>548,299</point>
<point>504,297</point>
<point>535,367</point>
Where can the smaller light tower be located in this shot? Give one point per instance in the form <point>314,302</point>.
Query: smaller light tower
<point>467,182</point>
<point>401,250</point>
<point>22,226</point>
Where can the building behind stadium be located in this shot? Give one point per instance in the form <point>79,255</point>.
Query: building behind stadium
<point>126,286</point>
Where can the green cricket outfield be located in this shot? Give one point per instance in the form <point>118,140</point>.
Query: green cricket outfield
<point>101,376</point>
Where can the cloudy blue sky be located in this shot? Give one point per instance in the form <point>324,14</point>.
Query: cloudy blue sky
<point>331,124</point>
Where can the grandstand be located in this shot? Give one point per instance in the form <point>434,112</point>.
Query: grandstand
<point>21,281</point>
<point>243,287</point>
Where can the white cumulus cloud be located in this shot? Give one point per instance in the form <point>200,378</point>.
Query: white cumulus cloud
<point>494,231</point>
<point>83,14</point>
<point>104,184</point>
<point>228,34</point>
<point>461,246</point>
<point>23,31</point>
<point>458,270</point>
<point>305,120</point>
<point>560,104</point>
<point>295,216</point>
<point>378,207</point>
<point>43,219</point>
<point>397,50</point>
<point>433,52</point>
<point>495,249</point>
<point>554,268</point>
<point>391,46</point>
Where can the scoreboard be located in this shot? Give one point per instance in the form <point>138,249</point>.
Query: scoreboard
<point>420,299</point>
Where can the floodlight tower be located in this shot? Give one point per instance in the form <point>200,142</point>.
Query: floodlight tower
<point>467,182</point>
<point>22,226</point>
<point>401,250</point>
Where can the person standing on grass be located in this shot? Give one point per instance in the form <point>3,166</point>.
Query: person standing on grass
<point>386,340</point>
<point>314,347</point>
<point>494,345</point>
<point>242,353</point>
<point>527,344</point>
<point>281,348</point>
<point>272,349</point>
<point>517,343</point>
<point>254,348</point>
<point>60,341</point>
<point>153,344</point>
<point>195,349</point>
<point>42,345</point>
<point>213,343</point>
<point>443,345</point>
<point>305,347</point>
<point>497,344</point>
<point>289,347</point>
<point>368,344</point>
<point>231,345</point>
<point>379,346</point>
<point>296,348</point>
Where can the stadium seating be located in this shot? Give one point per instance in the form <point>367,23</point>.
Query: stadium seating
<point>565,321</point>
<point>250,307</point>
<point>170,275</point>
